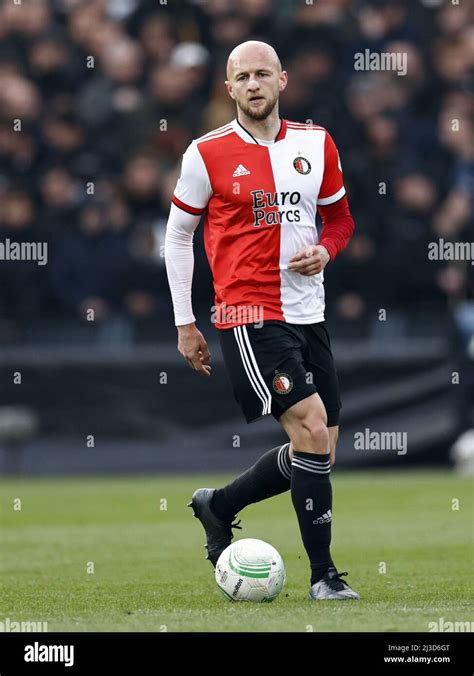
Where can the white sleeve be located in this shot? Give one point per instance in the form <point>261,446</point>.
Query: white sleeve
<point>179,258</point>
<point>190,199</point>
<point>193,190</point>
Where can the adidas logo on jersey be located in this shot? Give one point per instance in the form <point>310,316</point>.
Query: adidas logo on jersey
<point>241,171</point>
<point>325,518</point>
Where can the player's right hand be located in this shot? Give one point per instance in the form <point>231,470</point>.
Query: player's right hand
<point>192,345</point>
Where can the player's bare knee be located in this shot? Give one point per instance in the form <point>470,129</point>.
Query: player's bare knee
<point>317,435</point>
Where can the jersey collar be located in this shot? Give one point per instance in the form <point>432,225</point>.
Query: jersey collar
<point>247,136</point>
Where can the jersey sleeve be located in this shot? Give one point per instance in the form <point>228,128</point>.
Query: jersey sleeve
<point>332,186</point>
<point>338,226</point>
<point>179,258</point>
<point>193,190</point>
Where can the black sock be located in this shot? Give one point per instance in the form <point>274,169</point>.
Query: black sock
<point>270,475</point>
<point>311,493</point>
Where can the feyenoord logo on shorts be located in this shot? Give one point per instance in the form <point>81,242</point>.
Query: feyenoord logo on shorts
<point>282,383</point>
<point>301,165</point>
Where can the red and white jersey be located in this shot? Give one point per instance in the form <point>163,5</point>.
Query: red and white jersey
<point>260,200</point>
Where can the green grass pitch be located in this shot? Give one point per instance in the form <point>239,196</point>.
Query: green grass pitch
<point>125,554</point>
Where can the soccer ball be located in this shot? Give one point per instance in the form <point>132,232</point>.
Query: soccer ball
<point>250,570</point>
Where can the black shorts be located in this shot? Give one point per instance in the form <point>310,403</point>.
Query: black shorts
<point>273,367</point>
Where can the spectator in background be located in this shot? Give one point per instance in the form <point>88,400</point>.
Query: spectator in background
<point>60,194</point>
<point>101,266</point>
<point>90,265</point>
<point>20,288</point>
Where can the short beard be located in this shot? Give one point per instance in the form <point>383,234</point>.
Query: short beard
<point>256,114</point>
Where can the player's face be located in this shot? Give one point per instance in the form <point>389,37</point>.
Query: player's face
<point>256,88</point>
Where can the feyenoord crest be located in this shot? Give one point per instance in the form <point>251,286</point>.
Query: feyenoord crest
<point>282,383</point>
<point>301,165</point>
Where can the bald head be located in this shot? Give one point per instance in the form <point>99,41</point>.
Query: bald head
<point>249,53</point>
<point>255,80</point>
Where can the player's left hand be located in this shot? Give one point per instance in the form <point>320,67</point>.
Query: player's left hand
<point>310,260</point>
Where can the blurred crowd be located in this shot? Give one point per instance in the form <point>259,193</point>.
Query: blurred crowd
<point>99,99</point>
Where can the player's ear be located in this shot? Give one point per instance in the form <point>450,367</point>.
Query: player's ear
<point>283,80</point>
<point>229,89</point>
